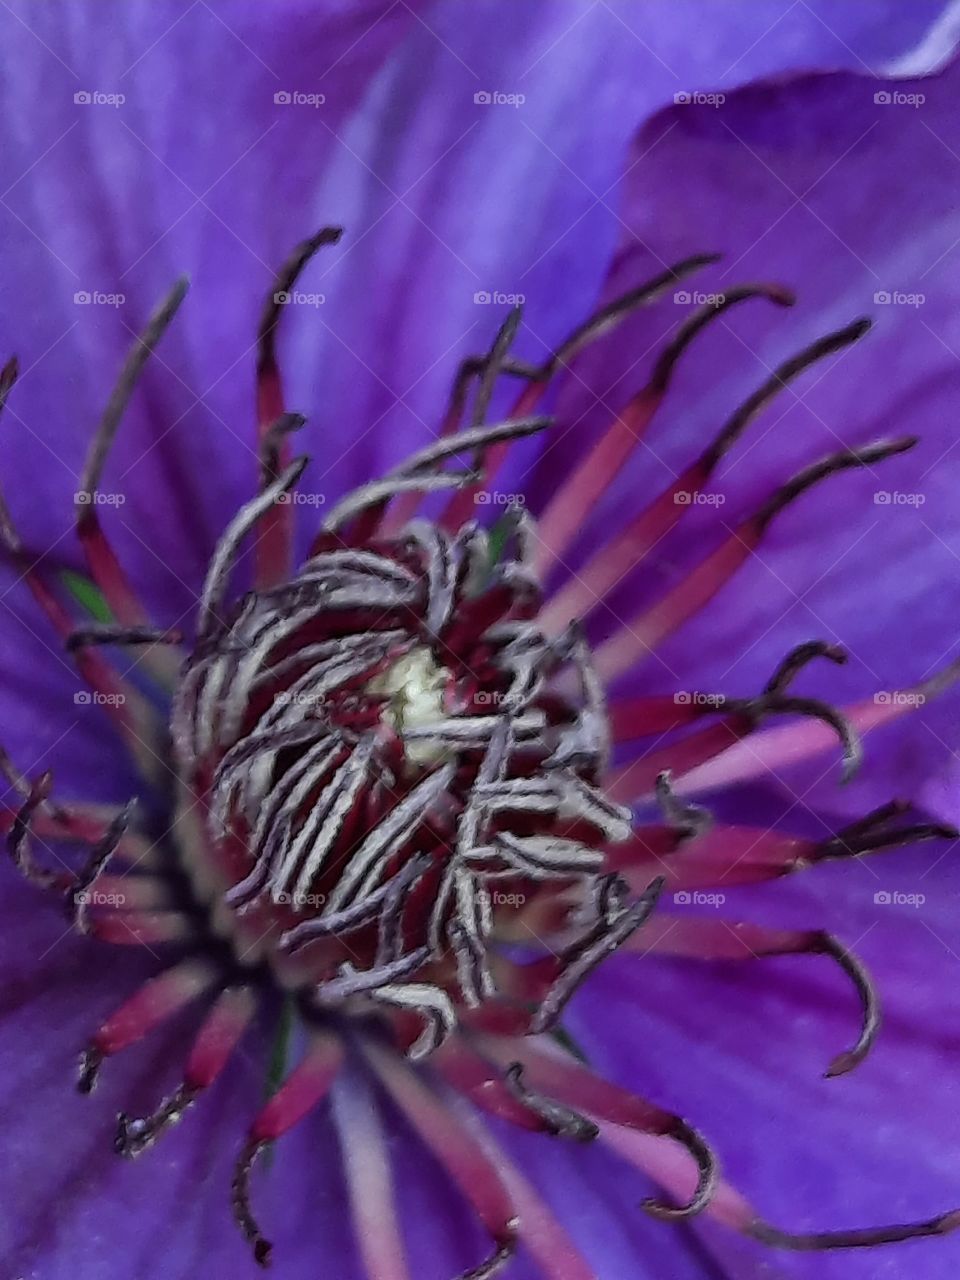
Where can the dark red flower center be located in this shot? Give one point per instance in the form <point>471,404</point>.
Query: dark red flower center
<point>383,775</point>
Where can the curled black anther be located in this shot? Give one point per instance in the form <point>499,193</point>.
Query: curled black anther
<point>561,1121</point>
<point>856,1238</point>
<point>103,851</point>
<point>707,1175</point>
<point>827,944</point>
<point>800,657</point>
<point>91,1060</point>
<point>87,637</point>
<point>134,1134</point>
<point>502,1253</point>
<point>18,840</point>
<point>813,707</point>
<point>240,1200</point>
<point>285,279</point>
<point>271,442</point>
<point>689,820</point>
<point>876,831</point>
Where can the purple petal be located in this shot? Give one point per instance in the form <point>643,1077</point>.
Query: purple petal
<point>739,1048</point>
<point>848,200</point>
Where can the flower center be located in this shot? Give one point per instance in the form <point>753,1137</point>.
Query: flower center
<point>414,686</point>
<point>386,773</point>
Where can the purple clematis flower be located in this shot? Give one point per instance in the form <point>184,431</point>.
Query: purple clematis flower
<point>385,841</point>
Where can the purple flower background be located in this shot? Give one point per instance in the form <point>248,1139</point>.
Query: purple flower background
<point>592,183</point>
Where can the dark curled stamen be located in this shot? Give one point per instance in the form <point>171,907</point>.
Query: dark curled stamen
<point>689,820</point>
<point>826,944</point>
<point>669,357</point>
<point>781,377</point>
<point>561,1121</point>
<point>101,855</point>
<point>86,637</point>
<point>91,1060</point>
<point>774,699</point>
<point>798,658</point>
<point>843,460</point>
<point>133,1135</point>
<point>378,491</point>
<point>285,279</point>
<point>707,1175</point>
<point>137,357</point>
<point>493,367</point>
<point>497,1260</point>
<point>609,317</point>
<point>18,840</point>
<point>285,425</point>
<point>817,710</point>
<point>476,437</point>
<point>857,1238</point>
<point>874,832</point>
<point>8,533</point>
<point>615,925</point>
<point>221,564</point>
<point>240,1200</point>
